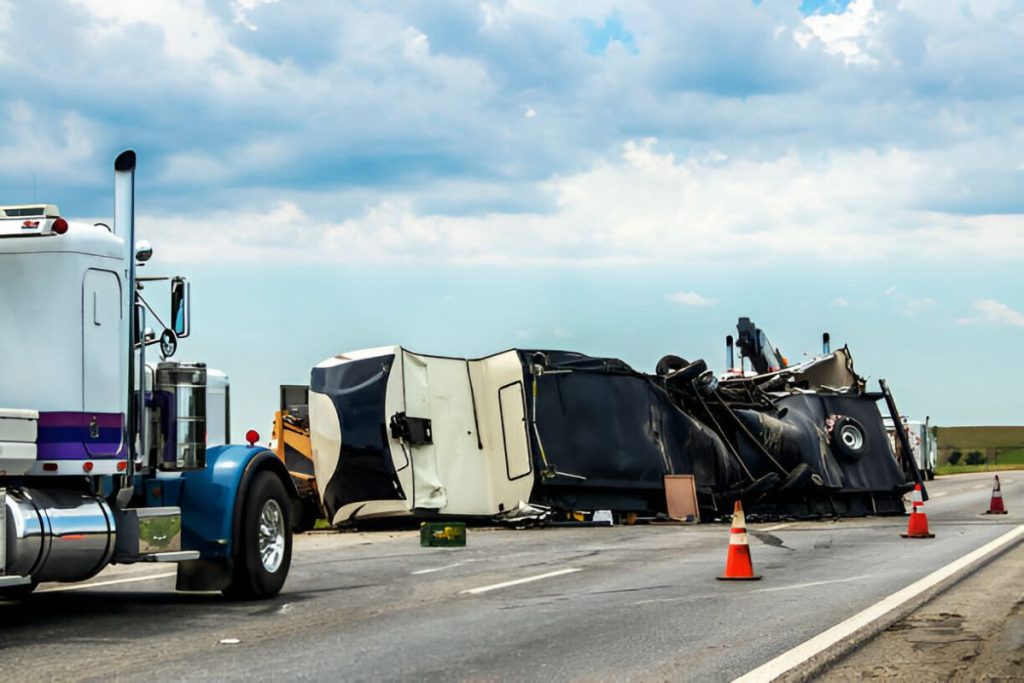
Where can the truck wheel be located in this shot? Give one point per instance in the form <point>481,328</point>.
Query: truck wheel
<point>18,592</point>
<point>263,551</point>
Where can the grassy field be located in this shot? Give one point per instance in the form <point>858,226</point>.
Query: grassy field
<point>1006,460</point>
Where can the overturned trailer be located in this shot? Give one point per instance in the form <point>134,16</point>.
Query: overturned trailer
<point>397,433</point>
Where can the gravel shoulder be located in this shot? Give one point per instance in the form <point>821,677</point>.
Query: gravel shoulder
<point>972,632</point>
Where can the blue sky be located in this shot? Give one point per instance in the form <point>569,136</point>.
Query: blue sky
<point>622,179</point>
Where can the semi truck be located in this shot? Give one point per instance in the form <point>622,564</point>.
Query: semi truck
<point>922,441</point>
<point>108,456</point>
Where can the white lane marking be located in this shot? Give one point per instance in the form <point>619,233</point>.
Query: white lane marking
<point>112,582</point>
<point>516,582</point>
<point>940,494</point>
<point>773,528</point>
<point>437,569</point>
<point>982,486</point>
<point>801,653</point>
<point>812,583</point>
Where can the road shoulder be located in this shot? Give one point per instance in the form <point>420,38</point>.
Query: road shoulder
<point>972,631</point>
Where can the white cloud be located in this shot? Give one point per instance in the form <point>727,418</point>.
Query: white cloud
<point>242,8</point>
<point>992,312</point>
<point>5,25</point>
<point>848,33</point>
<point>839,302</point>
<point>890,291</point>
<point>690,299</point>
<point>191,33</point>
<point>642,207</point>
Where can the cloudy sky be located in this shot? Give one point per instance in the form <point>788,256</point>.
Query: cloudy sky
<point>618,178</point>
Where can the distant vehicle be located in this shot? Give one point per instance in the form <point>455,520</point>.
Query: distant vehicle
<point>290,441</point>
<point>923,443</point>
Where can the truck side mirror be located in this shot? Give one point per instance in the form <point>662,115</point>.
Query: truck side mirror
<point>180,312</point>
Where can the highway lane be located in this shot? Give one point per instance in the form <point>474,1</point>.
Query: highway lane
<point>643,603</point>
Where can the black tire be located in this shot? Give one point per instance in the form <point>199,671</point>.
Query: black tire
<point>670,364</point>
<point>265,499</point>
<point>758,488</point>
<point>849,438</point>
<point>18,592</point>
<point>309,513</point>
<point>798,479</point>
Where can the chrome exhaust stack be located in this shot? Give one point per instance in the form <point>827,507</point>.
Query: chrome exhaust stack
<point>124,227</point>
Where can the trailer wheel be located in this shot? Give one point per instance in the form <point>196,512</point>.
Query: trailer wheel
<point>798,479</point>
<point>669,364</point>
<point>849,438</point>
<point>309,513</point>
<point>263,551</point>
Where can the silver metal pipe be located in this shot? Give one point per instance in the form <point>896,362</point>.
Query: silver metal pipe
<point>140,405</point>
<point>124,227</point>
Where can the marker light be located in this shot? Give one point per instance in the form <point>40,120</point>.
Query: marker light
<point>252,436</point>
<point>122,466</point>
<point>87,465</point>
<point>60,226</point>
<point>49,467</point>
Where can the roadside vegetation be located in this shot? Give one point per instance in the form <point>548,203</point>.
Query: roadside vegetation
<point>976,461</point>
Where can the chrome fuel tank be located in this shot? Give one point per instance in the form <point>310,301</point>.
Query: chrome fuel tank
<point>57,535</point>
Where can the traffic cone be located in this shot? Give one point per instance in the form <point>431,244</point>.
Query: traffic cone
<point>918,525</point>
<point>995,506</point>
<point>738,566</point>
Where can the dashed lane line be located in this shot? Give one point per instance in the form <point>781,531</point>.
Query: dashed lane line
<point>516,582</point>
<point>812,584</point>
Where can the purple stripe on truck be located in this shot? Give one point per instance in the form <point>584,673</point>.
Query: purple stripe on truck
<point>69,436</point>
<point>73,419</point>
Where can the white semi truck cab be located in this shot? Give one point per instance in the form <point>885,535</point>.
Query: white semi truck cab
<point>107,456</point>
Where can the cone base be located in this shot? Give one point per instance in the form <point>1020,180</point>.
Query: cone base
<point>755,577</point>
<point>997,512</point>
<point>918,535</point>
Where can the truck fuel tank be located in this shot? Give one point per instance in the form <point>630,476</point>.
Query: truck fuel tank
<point>57,535</point>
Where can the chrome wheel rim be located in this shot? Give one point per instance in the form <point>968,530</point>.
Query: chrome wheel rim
<point>852,437</point>
<point>271,536</point>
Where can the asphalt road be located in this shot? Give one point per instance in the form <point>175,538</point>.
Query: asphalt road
<point>641,604</point>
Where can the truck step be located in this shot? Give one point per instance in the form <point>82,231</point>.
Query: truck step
<point>13,580</point>
<point>176,556</point>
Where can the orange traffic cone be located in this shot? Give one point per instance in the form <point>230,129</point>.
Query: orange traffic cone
<point>738,566</point>
<point>995,506</point>
<point>918,525</point>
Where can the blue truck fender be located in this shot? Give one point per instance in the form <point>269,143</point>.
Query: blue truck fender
<point>211,502</point>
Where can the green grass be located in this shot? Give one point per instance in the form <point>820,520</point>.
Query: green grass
<point>1011,457</point>
<point>963,469</point>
